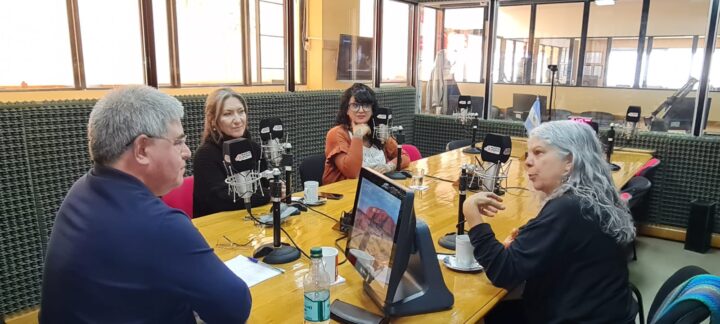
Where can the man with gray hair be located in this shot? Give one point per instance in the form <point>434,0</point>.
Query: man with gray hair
<point>117,253</point>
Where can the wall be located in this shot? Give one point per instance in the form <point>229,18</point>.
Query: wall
<point>329,19</point>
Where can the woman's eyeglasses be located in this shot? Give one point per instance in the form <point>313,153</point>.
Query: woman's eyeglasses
<point>356,107</point>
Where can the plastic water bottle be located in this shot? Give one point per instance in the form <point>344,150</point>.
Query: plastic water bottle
<point>316,287</point>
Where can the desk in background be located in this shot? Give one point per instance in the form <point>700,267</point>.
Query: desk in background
<point>280,299</point>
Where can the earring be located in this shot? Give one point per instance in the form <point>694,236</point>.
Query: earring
<point>214,129</point>
<point>565,178</point>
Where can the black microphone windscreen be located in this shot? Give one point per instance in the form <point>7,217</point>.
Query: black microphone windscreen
<point>238,153</point>
<point>271,128</point>
<point>465,102</point>
<point>496,148</point>
<point>633,114</point>
<point>382,116</point>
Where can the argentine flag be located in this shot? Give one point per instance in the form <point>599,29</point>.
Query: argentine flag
<point>534,118</point>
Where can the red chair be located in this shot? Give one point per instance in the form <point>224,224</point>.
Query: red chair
<point>412,152</point>
<point>182,197</point>
<point>648,170</point>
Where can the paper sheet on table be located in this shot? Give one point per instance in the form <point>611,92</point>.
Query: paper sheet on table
<point>251,273</point>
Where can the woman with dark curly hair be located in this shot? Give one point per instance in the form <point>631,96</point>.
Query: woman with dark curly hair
<point>351,145</point>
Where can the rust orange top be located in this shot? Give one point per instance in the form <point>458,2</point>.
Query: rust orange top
<point>344,155</point>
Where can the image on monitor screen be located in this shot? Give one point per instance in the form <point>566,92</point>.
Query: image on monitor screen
<point>372,239</point>
<point>355,58</point>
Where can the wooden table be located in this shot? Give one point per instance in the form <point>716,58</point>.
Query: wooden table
<point>279,299</point>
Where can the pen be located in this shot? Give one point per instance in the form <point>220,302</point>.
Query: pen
<point>253,260</point>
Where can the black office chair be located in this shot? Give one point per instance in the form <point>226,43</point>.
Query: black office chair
<point>633,193</point>
<point>312,168</point>
<point>456,144</point>
<point>685,312</point>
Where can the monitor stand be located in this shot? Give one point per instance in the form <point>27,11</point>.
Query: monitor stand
<point>424,267</point>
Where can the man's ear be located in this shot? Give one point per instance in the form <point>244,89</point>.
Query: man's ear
<point>139,151</point>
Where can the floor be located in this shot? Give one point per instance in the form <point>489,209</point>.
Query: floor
<point>658,259</point>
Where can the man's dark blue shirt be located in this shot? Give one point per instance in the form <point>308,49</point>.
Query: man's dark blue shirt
<point>118,254</point>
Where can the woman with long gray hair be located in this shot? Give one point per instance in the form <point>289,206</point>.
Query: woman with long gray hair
<point>571,256</point>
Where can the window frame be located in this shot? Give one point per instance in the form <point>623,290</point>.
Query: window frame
<point>148,49</point>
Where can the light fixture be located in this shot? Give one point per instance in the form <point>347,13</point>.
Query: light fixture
<point>604,2</point>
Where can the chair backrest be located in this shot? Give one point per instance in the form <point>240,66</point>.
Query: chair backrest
<point>412,152</point>
<point>456,144</point>
<point>182,197</point>
<point>648,170</point>
<point>636,188</point>
<point>687,311</point>
<point>312,168</point>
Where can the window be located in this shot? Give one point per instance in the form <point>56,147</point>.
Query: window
<point>267,42</point>
<point>40,55</point>
<point>426,42</point>
<point>670,46</point>
<point>464,40</point>
<point>395,41</point>
<point>669,62</point>
<point>622,62</point>
<point>209,41</point>
<point>510,55</point>
<point>557,28</point>
<point>111,42</point>
<point>162,44</point>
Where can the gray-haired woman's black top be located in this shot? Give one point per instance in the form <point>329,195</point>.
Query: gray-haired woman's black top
<point>210,192</point>
<point>573,271</point>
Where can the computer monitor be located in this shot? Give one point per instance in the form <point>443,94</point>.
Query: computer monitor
<point>681,114</point>
<point>392,252</point>
<point>522,104</point>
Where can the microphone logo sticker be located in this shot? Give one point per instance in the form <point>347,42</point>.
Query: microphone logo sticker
<point>243,156</point>
<point>381,116</point>
<point>277,128</point>
<point>492,149</point>
<point>507,151</point>
<point>633,114</point>
<point>265,130</point>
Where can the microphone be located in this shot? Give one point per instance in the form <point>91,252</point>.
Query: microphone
<point>271,135</point>
<point>276,152</point>
<point>495,154</point>
<point>276,252</point>
<point>464,111</point>
<point>399,138</point>
<point>611,147</point>
<point>632,117</point>
<point>448,241</point>
<point>381,124</point>
<point>242,178</point>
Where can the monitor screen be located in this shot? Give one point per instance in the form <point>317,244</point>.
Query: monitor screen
<point>371,246</point>
<point>355,58</point>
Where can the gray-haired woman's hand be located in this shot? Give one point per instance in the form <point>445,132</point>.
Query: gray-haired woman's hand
<point>479,205</point>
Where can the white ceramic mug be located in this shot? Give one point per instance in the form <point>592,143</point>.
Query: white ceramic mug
<point>311,191</point>
<point>464,251</point>
<point>330,259</point>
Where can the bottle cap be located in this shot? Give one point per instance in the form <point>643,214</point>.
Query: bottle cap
<point>316,252</point>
